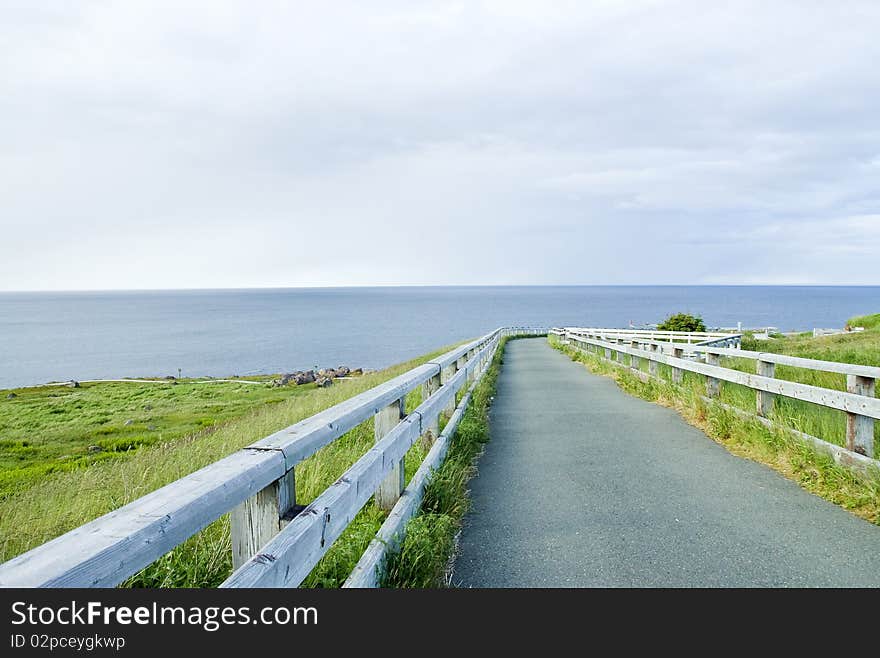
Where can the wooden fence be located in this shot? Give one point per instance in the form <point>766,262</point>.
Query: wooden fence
<point>859,403</point>
<point>710,338</point>
<point>276,542</point>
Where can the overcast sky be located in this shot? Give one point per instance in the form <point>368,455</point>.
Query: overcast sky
<point>236,144</point>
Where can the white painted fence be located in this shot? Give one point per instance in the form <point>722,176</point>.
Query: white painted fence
<point>858,401</point>
<point>275,542</point>
<point>718,338</point>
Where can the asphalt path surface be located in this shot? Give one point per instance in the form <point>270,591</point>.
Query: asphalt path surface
<point>583,485</point>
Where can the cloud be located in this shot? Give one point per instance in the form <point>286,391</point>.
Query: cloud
<point>159,144</point>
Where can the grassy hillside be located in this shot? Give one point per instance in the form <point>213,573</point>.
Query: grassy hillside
<point>51,429</point>
<point>860,347</point>
<point>31,515</point>
<point>865,321</point>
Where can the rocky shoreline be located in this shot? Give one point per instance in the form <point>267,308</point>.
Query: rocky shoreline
<point>323,377</point>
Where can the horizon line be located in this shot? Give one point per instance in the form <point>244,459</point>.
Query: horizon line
<point>447,285</point>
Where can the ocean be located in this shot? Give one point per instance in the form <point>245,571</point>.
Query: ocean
<point>90,335</point>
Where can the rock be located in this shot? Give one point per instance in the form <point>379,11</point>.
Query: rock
<point>148,407</point>
<point>298,377</point>
<point>320,376</point>
<point>151,428</point>
<point>94,449</point>
<point>304,377</point>
<point>324,381</point>
<point>128,422</point>
<point>73,383</point>
<point>11,396</point>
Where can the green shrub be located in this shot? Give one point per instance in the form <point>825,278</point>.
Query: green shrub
<point>682,322</point>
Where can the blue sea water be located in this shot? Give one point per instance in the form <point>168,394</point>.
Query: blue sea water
<point>85,335</point>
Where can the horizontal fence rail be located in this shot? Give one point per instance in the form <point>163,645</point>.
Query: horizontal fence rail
<point>769,357</point>
<point>368,571</point>
<point>858,401</point>
<point>717,338</point>
<point>256,487</point>
<point>288,557</point>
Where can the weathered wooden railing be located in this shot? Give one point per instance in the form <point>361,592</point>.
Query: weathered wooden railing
<point>275,542</point>
<point>716,338</point>
<point>858,401</point>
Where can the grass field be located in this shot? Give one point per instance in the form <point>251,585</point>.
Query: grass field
<point>829,424</point>
<point>862,347</point>
<point>49,502</point>
<point>777,448</point>
<point>50,429</point>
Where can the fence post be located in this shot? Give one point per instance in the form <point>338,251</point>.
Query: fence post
<point>713,385</point>
<point>392,486</point>
<point>432,431</point>
<point>677,373</point>
<point>447,373</point>
<point>471,366</point>
<point>860,429</point>
<point>635,362</point>
<point>620,355</point>
<point>608,353</point>
<point>763,399</point>
<point>653,366</point>
<point>258,519</point>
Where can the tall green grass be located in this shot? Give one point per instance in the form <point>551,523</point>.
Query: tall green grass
<point>867,322</point>
<point>829,424</point>
<point>858,347</point>
<point>777,447</point>
<point>65,500</point>
<point>51,429</point>
<point>424,556</point>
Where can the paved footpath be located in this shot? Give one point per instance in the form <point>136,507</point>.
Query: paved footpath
<point>583,485</point>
